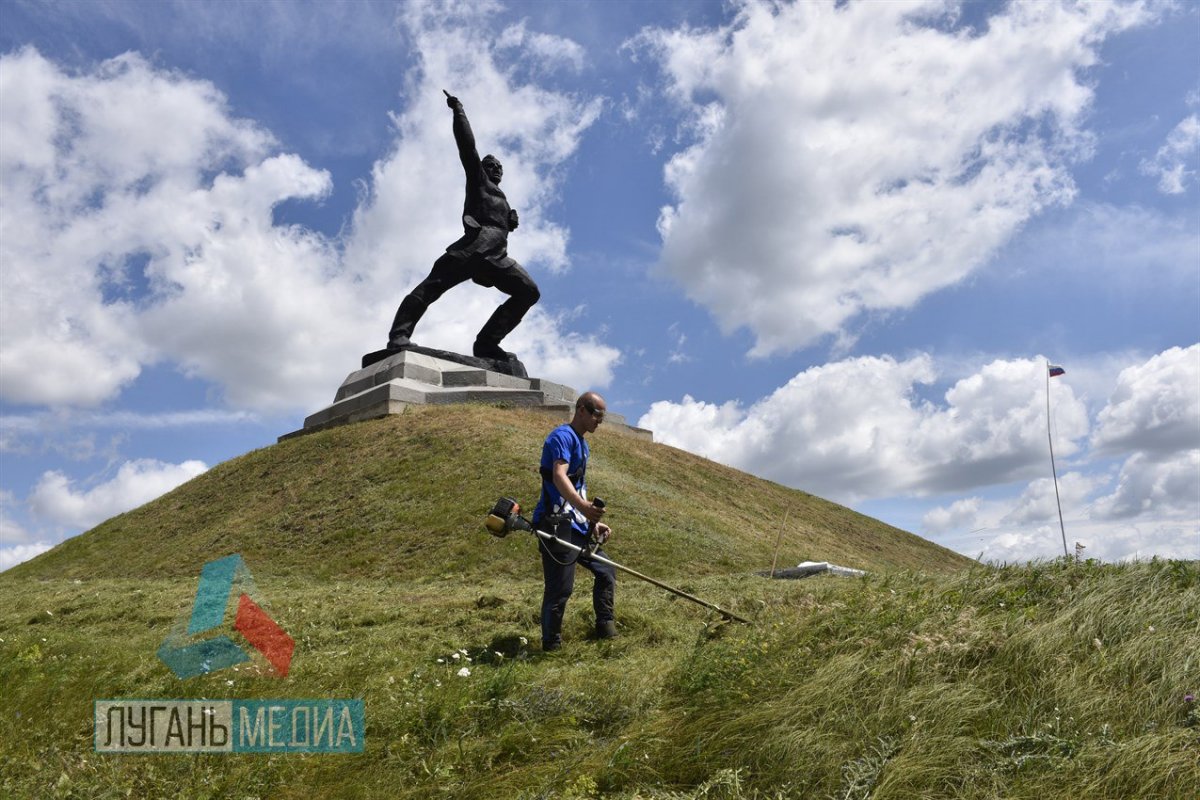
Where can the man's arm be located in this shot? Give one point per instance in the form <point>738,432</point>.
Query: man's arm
<point>567,490</point>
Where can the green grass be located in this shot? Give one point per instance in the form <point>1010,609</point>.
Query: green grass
<point>1046,681</point>
<point>1053,680</point>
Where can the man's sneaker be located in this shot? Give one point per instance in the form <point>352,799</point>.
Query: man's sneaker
<point>550,647</point>
<point>606,630</point>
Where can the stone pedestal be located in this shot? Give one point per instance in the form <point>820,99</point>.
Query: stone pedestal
<point>508,366</point>
<point>391,384</point>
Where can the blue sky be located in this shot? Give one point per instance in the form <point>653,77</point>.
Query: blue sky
<point>831,244</point>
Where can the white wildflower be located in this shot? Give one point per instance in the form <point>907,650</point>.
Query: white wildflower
<point>465,672</point>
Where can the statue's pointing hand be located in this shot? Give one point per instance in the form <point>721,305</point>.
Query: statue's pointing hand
<point>451,100</point>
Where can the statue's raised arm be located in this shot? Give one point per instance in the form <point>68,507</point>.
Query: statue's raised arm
<point>463,137</point>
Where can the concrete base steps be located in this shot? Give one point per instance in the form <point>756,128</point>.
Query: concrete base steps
<point>408,378</point>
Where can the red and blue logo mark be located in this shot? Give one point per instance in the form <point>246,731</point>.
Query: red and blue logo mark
<point>190,649</point>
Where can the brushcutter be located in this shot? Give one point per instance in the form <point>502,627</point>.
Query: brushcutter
<point>505,517</point>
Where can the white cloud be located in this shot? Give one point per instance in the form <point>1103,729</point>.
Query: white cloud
<point>958,515</point>
<point>56,499</point>
<point>678,354</point>
<point>1027,527</point>
<point>1155,406</point>
<point>1150,505</point>
<point>1170,163</point>
<point>856,428</point>
<point>11,531</point>
<point>1103,541</point>
<point>855,157</point>
<point>11,556</point>
<point>72,148</point>
<point>137,226</point>
<point>1026,545</point>
<point>548,52</point>
<point>1039,503</point>
<point>1166,488</point>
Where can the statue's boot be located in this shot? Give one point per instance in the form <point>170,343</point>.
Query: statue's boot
<point>411,309</point>
<point>499,325</point>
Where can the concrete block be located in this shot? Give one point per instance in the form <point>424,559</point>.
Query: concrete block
<point>456,375</point>
<point>402,365</point>
<point>393,382</point>
<point>554,391</point>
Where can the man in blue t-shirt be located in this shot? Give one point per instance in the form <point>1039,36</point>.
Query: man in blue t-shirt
<point>564,510</point>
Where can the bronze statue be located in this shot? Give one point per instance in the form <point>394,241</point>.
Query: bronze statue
<point>481,255</point>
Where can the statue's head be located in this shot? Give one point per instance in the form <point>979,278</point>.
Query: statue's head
<point>492,168</point>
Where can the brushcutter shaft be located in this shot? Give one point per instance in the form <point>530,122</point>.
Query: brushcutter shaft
<point>549,537</point>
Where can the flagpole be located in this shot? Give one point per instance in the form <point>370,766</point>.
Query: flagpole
<point>1053,470</point>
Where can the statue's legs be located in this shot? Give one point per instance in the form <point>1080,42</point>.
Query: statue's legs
<point>448,271</point>
<point>523,294</point>
<point>411,309</point>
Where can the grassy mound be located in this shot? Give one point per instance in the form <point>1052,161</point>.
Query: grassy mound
<point>405,496</point>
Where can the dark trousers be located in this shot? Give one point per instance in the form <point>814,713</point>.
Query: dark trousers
<point>449,271</point>
<point>558,570</point>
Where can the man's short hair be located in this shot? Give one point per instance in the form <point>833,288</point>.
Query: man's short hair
<point>587,400</point>
<point>489,157</point>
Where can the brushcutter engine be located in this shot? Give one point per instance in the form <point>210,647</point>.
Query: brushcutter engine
<point>505,517</point>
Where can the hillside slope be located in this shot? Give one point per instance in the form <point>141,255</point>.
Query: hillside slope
<point>405,497</point>
<point>1037,682</point>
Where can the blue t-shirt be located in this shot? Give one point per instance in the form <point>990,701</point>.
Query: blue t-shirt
<point>563,444</point>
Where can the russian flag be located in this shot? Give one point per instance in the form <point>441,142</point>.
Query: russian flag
<point>1055,370</point>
